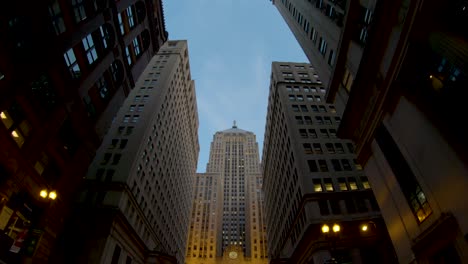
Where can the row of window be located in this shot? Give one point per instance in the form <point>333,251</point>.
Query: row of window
<point>314,108</point>
<point>332,148</point>
<point>324,133</point>
<point>321,165</point>
<point>305,89</point>
<point>319,120</point>
<point>342,184</point>
<point>300,98</point>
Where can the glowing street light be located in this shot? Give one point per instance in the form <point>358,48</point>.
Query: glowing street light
<point>325,229</point>
<point>52,195</point>
<point>336,228</point>
<point>364,228</point>
<point>43,194</point>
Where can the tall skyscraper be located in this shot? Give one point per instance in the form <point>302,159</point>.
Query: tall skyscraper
<point>333,35</point>
<point>404,114</point>
<point>65,69</point>
<point>227,214</point>
<point>136,203</point>
<point>318,202</point>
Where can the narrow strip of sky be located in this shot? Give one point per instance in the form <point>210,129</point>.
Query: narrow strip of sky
<point>231,46</point>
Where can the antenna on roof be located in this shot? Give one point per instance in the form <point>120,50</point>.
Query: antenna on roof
<point>234,126</point>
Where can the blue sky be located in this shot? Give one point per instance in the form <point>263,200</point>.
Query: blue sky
<point>231,46</point>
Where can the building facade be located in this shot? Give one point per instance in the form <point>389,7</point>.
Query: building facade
<point>319,204</point>
<point>333,35</point>
<point>66,68</point>
<point>136,202</point>
<point>227,224</point>
<point>403,114</point>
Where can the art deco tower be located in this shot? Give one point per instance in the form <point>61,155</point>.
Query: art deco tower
<point>227,216</point>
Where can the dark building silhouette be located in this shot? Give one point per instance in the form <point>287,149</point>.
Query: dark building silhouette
<point>65,69</point>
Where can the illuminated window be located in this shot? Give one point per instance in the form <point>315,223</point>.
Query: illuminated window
<point>342,184</point>
<point>128,56</point>
<point>121,24</point>
<point>352,184</point>
<point>90,49</point>
<point>136,46</point>
<point>365,183</point>
<point>105,36</point>
<point>130,17</point>
<point>307,149</point>
<point>317,185</point>
<point>72,64</point>
<point>328,185</point>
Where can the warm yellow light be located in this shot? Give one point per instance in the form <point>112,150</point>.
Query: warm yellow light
<point>364,227</point>
<point>52,195</point>
<point>3,115</point>
<point>43,194</point>
<point>325,229</point>
<point>15,134</point>
<point>430,76</point>
<point>336,228</point>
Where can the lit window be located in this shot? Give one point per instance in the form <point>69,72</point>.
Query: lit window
<point>121,25</point>
<point>322,46</point>
<point>19,139</point>
<point>132,108</point>
<point>352,184</point>
<point>104,36</point>
<point>365,183</point>
<point>129,56</point>
<point>126,119</point>
<point>328,185</point>
<point>317,185</point>
<point>342,184</point>
<point>41,164</point>
<point>136,46</point>
<point>6,119</point>
<point>56,16</point>
<point>102,87</point>
<point>130,17</point>
<point>72,64</point>
<point>89,48</point>
<point>79,10</point>
<point>135,118</point>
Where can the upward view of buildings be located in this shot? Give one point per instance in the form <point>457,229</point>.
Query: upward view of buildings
<point>227,223</point>
<point>364,157</point>
<point>65,69</point>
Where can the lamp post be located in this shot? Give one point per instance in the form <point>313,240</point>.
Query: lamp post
<point>336,228</point>
<point>45,194</point>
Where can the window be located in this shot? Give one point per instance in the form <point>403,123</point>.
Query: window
<point>130,17</point>
<point>299,120</point>
<point>323,206</point>
<point>121,25</point>
<point>337,119</point>
<point>72,64</point>
<point>306,81</point>
<point>328,185</point>
<point>322,109</point>
<point>132,108</point>
<point>352,184</point>
<point>404,175</point>
<point>307,149</point>
<point>324,133</point>
<point>116,255</point>
<point>310,98</point>
<point>123,143</point>
<point>137,98</point>
<point>287,74</point>
<point>288,88</point>
<point>346,165</point>
<point>314,108</point>
<point>135,118</point>
<point>16,123</point>
<point>336,165</point>
<point>307,120</point>
<point>317,148</point>
<point>332,108</point>
<point>313,36</point>
<point>116,159</point>
<point>145,98</point>
<point>312,133</point>
<point>339,148</point>
<point>140,108</point>
<point>303,133</point>
<point>129,56</point>
<point>342,184</point>
<point>322,46</point>
<point>318,98</point>
<point>304,108</point>
<point>78,10</point>
<point>102,87</point>
<point>327,120</point>
<point>357,165</point>
<point>136,46</point>
<point>365,183</point>
<point>90,49</point>
<point>323,165</point>
<point>129,130</point>
<point>106,158</point>
<point>126,119</point>
<point>335,207</point>
<point>330,148</point>
<point>56,17</point>
<point>317,185</point>
<point>300,98</point>
<point>332,133</point>
<point>295,108</point>
<point>312,165</point>
<point>350,147</point>
<point>292,97</point>
<point>331,58</point>
<point>319,120</point>
<point>105,36</point>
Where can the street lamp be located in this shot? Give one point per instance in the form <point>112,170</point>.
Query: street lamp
<point>336,228</point>
<point>325,229</point>
<point>45,194</point>
<point>364,227</point>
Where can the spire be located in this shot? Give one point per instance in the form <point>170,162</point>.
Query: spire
<point>234,125</point>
